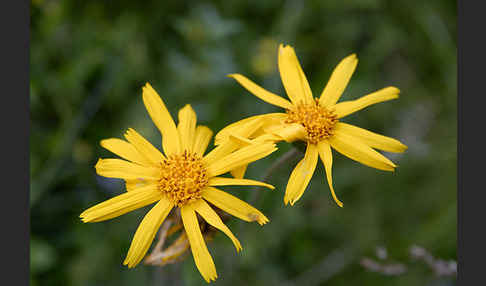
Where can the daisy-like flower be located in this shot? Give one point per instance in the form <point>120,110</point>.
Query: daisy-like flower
<point>182,178</point>
<point>315,121</point>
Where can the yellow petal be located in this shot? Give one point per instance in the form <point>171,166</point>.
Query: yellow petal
<point>222,181</point>
<point>293,78</point>
<point>132,184</point>
<point>265,138</point>
<point>202,258</point>
<point>239,172</point>
<point>240,157</point>
<point>338,81</point>
<point>355,149</point>
<point>122,204</point>
<point>233,205</point>
<point>117,168</point>
<point>261,93</point>
<point>250,127</point>
<point>124,150</point>
<point>301,175</point>
<point>289,132</point>
<point>227,146</point>
<point>202,138</point>
<point>240,140</point>
<point>146,232</point>
<point>347,107</point>
<point>187,127</point>
<point>371,139</point>
<point>144,147</point>
<point>213,219</point>
<point>162,119</point>
<point>326,157</point>
<point>244,127</point>
<point>135,193</point>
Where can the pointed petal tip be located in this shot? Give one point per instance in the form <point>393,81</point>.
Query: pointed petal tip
<point>129,263</point>
<point>283,47</point>
<point>99,162</point>
<point>211,278</point>
<point>395,89</point>
<point>130,129</point>
<point>292,202</point>
<point>147,85</point>
<point>147,88</point>
<point>260,219</point>
<point>187,106</point>
<point>262,222</point>
<point>286,200</point>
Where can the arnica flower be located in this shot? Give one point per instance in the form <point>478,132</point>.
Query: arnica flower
<point>182,178</point>
<point>316,121</point>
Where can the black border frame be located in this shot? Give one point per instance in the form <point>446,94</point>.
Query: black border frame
<point>15,29</point>
<point>470,192</point>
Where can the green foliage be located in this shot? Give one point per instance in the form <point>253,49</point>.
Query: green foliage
<point>89,60</point>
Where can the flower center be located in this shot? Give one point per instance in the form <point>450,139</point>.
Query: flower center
<point>182,178</point>
<point>317,120</point>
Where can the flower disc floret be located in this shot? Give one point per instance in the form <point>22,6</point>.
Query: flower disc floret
<point>183,177</point>
<point>317,120</point>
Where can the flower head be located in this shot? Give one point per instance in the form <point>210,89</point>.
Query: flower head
<point>315,121</point>
<point>182,177</point>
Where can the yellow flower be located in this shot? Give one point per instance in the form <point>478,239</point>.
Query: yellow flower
<point>315,121</point>
<point>182,178</point>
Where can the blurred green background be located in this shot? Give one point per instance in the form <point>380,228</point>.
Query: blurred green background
<point>89,60</point>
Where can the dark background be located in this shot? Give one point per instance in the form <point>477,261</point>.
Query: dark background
<point>89,60</point>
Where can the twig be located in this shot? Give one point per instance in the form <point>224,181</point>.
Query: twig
<point>392,269</point>
<point>439,266</point>
<point>153,257</point>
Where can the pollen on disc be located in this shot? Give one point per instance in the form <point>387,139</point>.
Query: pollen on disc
<point>183,177</point>
<point>317,120</point>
